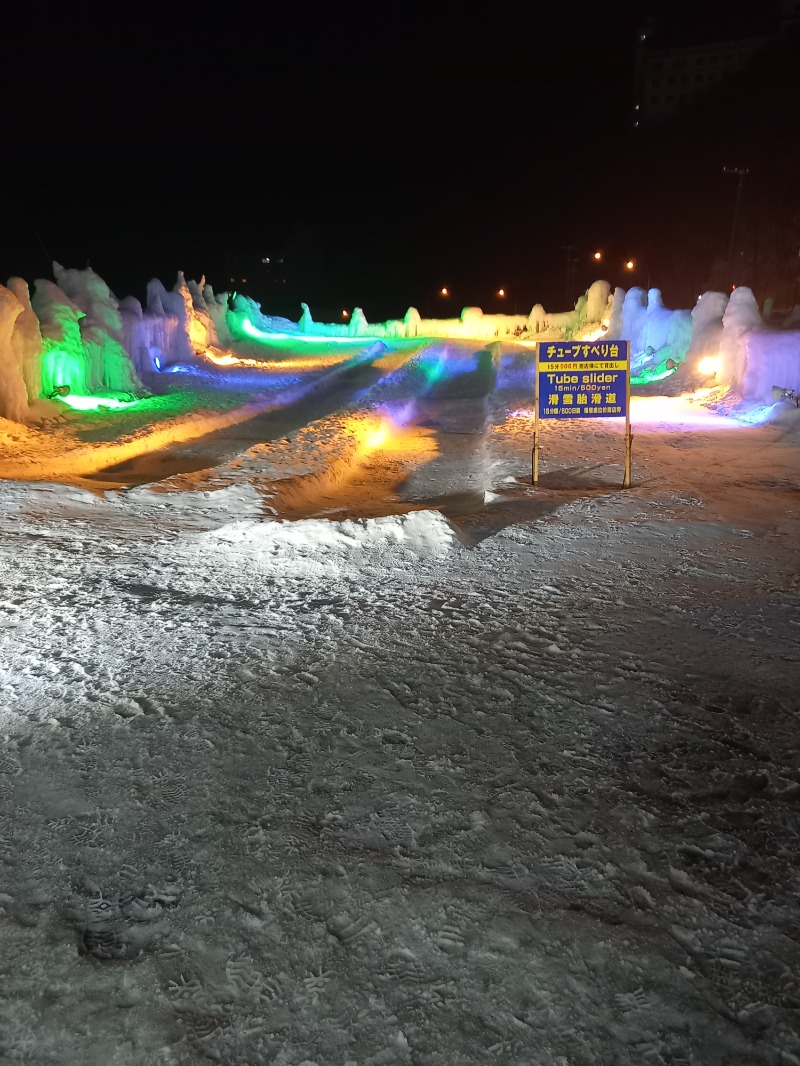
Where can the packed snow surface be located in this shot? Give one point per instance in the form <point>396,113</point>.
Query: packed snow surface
<point>422,532</point>
<point>443,770</point>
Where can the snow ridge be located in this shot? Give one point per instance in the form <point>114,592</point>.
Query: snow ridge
<point>422,533</point>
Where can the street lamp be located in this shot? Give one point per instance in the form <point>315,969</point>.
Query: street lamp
<point>642,267</point>
<point>501,292</point>
<point>597,256</point>
<point>444,291</point>
<point>345,314</point>
<point>741,174</point>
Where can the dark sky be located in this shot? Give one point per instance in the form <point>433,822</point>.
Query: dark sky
<point>404,145</point>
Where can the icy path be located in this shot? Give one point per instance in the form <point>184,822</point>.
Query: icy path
<point>357,793</point>
<point>416,435</point>
<point>276,412</point>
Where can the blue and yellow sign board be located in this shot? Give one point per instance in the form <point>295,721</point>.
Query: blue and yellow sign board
<point>583,379</point>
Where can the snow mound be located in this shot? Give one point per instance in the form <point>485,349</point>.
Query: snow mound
<point>194,511</point>
<point>421,533</point>
<point>237,499</point>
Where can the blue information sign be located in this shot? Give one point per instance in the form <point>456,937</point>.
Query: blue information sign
<point>583,379</point>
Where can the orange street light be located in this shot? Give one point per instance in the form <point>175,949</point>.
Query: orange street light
<point>598,256</point>
<point>501,292</point>
<point>345,314</point>
<point>630,264</point>
<point>445,291</point>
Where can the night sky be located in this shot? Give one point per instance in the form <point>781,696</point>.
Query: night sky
<point>399,148</point>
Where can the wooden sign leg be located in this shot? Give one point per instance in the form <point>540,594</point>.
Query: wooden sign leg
<point>626,484</point>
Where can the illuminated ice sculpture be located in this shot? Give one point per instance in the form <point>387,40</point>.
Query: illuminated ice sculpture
<point>13,395</point>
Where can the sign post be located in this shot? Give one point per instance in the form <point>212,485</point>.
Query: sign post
<point>535,454</point>
<point>626,482</point>
<point>583,379</point>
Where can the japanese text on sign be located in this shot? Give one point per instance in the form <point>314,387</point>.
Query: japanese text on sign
<point>583,379</point>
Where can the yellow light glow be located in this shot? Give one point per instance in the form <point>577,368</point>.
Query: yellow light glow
<point>370,434</point>
<point>345,314</point>
<point>228,359</point>
<point>598,256</point>
<point>377,437</point>
<point>710,364</point>
<point>197,332</point>
<point>298,363</point>
<point>630,264</point>
<point>383,434</point>
<point>445,291</point>
<point>501,292</point>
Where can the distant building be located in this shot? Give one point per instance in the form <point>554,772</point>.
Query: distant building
<point>681,60</point>
<point>262,270</point>
<point>281,273</point>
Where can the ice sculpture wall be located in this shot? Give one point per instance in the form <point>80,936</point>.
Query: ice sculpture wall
<point>472,324</point>
<point>65,362</point>
<point>148,336</point>
<point>592,308</point>
<point>741,316</point>
<point>101,331</point>
<point>27,340</point>
<point>659,338</point>
<point>754,357</point>
<point>13,396</point>
<point>770,358</point>
<point>70,333</point>
<point>707,317</point>
<point>74,332</point>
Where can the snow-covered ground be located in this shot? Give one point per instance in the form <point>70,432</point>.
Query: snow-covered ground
<point>444,770</point>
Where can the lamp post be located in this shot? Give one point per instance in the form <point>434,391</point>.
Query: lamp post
<point>742,173</point>
<point>503,293</point>
<point>572,266</point>
<point>575,257</point>
<point>634,265</point>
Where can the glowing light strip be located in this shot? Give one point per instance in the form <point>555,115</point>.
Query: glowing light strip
<point>306,338</point>
<point>647,376</point>
<point>95,403</point>
<point>309,363</point>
